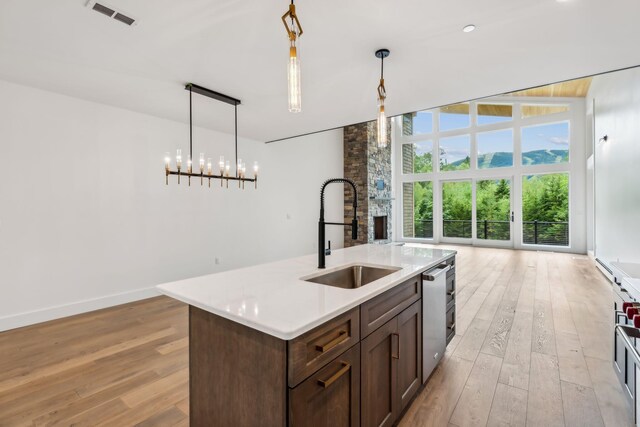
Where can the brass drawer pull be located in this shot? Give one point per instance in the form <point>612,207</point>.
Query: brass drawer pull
<point>453,325</point>
<point>334,342</point>
<point>345,368</point>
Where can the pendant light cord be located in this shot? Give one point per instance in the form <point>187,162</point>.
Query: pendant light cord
<point>382,67</point>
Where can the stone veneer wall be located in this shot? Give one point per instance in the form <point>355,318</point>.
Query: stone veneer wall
<point>355,168</point>
<point>365,164</point>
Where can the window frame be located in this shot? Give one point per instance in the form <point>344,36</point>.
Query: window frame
<point>575,167</point>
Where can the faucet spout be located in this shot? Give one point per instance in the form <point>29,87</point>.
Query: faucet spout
<point>322,224</point>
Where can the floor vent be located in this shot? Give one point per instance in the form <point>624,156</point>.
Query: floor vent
<point>111,12</point>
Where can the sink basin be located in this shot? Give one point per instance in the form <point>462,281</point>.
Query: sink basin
<point>353,276</point>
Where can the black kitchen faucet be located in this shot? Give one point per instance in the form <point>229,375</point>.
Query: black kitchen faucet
<point>322,223</point>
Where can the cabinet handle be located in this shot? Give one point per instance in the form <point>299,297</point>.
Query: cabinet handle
<point>345,368</point>
<point>452,293</point>
<point>397,356</point>
<point>334,342</point>
<point>452,327</point>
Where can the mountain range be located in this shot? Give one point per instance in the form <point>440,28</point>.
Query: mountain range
<point>504,159</point>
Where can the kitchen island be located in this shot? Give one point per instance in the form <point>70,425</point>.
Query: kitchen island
<point>268,347</point>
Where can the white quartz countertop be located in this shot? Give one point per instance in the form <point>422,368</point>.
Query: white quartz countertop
<point>273,299</point>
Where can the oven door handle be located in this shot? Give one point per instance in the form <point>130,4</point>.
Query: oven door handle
<point>618,314</point>
<point>623,332</point>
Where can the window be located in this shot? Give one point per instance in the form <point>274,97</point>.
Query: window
<point>455,153</point>
<point>545,144</point>
<point>417,123</point>
<point>493,209</point>
<point>417,157</point>
<point>456,209</point>
<point>454,117</point>
<point>459,167</point>
<point>495,149</point>
<point>417,199</point>
<point>536,110</point>
<point>545,209</point>
<point>494,113</point>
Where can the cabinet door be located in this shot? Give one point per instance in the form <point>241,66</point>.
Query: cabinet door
<point>379,376</point>
<point>410,353</point>
<point>330,397</point>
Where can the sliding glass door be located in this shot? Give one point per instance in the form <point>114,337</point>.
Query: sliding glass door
<point>457,218</point>
<point>494,212</point>
<point>488,201</point>
<point>545,209</point>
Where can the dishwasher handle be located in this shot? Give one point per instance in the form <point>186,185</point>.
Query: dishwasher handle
<point>433,274</point>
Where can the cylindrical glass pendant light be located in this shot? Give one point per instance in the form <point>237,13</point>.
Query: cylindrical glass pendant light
<point>294,31</point>
<point>295,94</point>
<point>382,95</point>
<point>382,126</point>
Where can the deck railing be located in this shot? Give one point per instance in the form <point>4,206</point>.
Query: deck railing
<point>534,232</point>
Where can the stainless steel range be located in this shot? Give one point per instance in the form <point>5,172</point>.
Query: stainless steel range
<point>626,318</point>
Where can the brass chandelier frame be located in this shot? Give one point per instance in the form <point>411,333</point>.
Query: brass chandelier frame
<point>224,175</point>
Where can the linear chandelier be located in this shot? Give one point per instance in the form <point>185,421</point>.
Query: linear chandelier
<point>223,165</point>
<point>382,95</point>
<point>294,31</point>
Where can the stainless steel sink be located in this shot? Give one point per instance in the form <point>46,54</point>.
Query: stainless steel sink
<point>353,276</point>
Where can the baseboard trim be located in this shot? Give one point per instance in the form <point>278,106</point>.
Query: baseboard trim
<point>57,312</point>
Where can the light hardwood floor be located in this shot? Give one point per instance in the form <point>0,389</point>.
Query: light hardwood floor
<point>533,348</point>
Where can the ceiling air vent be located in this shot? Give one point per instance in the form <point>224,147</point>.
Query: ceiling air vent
<point>124,18</point>
<point>103,9</point>
<point>111,12</point>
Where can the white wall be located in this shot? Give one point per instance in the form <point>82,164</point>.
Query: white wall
<point>86,220</point>
<point>617,165</point>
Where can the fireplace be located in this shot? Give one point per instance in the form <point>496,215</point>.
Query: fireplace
<point>380,228</point>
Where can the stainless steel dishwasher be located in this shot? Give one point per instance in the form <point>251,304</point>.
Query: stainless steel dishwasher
<point>434,305</point>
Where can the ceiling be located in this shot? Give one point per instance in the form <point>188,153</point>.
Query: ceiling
<point>570,89</point>
<point>240,48</point>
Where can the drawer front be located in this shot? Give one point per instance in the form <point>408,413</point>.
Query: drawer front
<point>331,396</point>
<point>451,290</point>
<point>314,349</point>
<point>451,324</point>
<point>379,310</point>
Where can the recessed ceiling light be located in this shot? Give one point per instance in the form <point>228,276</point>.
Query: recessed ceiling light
<point>469,28</point>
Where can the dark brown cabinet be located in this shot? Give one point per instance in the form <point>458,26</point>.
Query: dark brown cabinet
<point>331,396</point>
<point>391,367</point>
<point>409,353</point>
<point>380,376</point>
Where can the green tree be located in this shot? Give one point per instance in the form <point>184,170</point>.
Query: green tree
<point>423,163</point>
<point>545,200</point>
